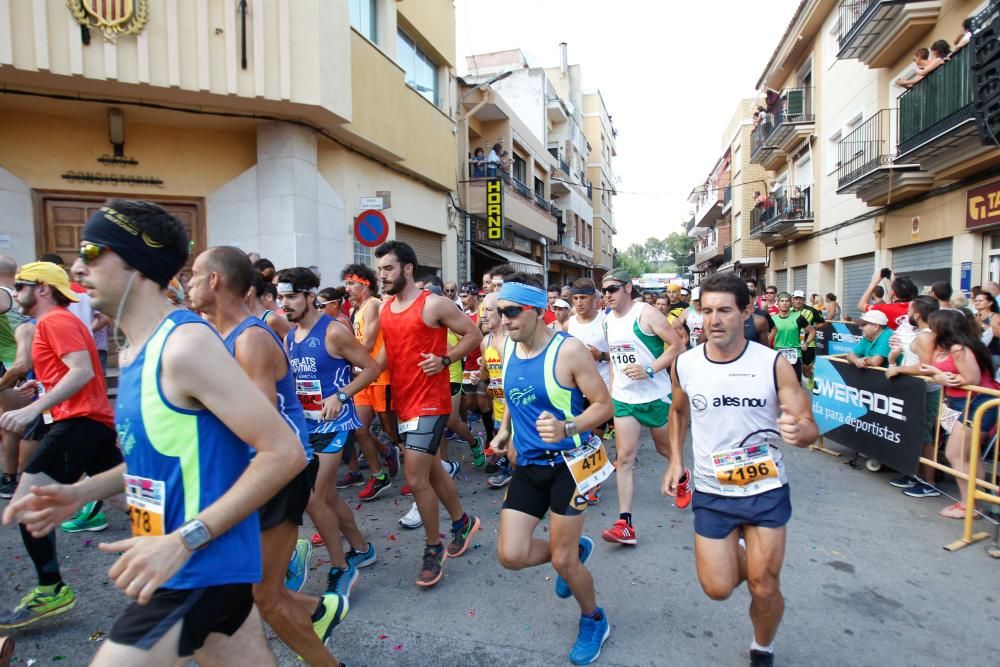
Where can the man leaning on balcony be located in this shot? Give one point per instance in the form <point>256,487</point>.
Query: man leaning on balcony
<point>925,65</point>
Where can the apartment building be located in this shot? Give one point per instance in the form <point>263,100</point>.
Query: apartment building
<point>724,203</point>
<point>601,136</point>
<point>265,125</point>
<point>864,172</point>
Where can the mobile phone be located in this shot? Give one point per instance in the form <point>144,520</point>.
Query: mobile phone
<point>887,273</point>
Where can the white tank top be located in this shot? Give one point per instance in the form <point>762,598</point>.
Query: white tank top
<point>592,333</point>
<point>695,323</point>
<point>628,344</point>
<point>732,405</point>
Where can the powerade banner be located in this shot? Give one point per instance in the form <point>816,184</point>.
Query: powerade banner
<point>837,337</point>
<point>866,411</point>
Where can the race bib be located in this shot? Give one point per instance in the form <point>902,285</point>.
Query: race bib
<point>695,335</point>
<point>746,471</point>
<point>623,355</point>
<point>470,377</point>
<point>408,425</point>
<point>146,504</point>
<point>588,464</point>
<point>310,393</point>
<point>47,415</point>
<point>495,387</point>
<point>790,354</point>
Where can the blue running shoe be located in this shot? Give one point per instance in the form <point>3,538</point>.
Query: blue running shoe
<point>586,548</point>
<point>361,559</point>
<point>591,638</point>
<point>298,566</point>
<point>342,581</point>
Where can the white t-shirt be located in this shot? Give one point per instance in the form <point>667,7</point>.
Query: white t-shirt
<point>592,334</point>
<point>83,310</point>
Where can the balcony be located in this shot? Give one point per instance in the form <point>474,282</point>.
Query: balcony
<point>789,120</point>
<point>563,164</point>
<point>541,202</point>
<point>709,208</point>
<point>523,210</point>
<point>712,249</point>
<point>878,32</point>
<point>867,164</point>
<point>784,217</point>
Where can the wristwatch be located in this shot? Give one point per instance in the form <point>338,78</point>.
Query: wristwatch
<point>342,397</point>
<point>603,357</point>
<point>570,428</point>
<point>195,535</point>
<point>445,360</point>
<point>649,371</point>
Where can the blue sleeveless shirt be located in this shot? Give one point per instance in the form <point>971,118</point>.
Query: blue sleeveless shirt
<point>179,461</point>
<point>531,388</point>
<point>318,376</point>
<point>287,402</point>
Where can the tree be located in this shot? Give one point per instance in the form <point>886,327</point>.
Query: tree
<point>678,247</point>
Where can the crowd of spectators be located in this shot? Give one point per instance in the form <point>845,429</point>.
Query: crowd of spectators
<point>926,61</point>
<point>495,163</point>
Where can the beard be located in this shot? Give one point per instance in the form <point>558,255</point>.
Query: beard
<point>394,287</point>
<point>27,302</point>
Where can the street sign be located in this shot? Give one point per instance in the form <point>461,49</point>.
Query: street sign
<point>371,204</point>
<point>494,209</point>
<point>371,228</point>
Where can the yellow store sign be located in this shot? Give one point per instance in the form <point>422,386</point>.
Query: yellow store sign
<point>983,206</point>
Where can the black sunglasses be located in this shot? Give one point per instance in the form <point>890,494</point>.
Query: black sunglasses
<point>510,312</point>
<point>611,289</point>
<point>770,292</point>
<point>21,284</point>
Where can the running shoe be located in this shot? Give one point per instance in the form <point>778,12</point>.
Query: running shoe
<point>684,496</point>
<point>594,495</point>
<point>922,491</point>
<point>298,566</point>
<point>41,602</point>
<point>904,482</point>
<point>461,536</point>
<point>350,479</point>
<point>478,458</point>
<point>590,639</point>
<point>317,540</point>
<point>335,608</point>
<point>392,459</point>
<point>360,559</point>
<point>412,518</point>
<point>362,462</point>
<point>406,490</point>
<point>610,434</point>
<point>492,462</point>
<point>85,520</point>
<point>449,434</point>
<point>586,548</point>
<point>374,487</point>
<point>500,479</point>
<point>8,484</point>
<point>620,532</point>
<point>341,581</point>
<point>451,467</point>
<point>431,570</point>
<point>761,658</point>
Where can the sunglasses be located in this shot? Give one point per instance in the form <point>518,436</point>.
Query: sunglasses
<point>510,312</point>
<point>21,284</point>
<point>89,252</point>
<point>611,289</point>
<point>323,304</point>
<point>769,292</point>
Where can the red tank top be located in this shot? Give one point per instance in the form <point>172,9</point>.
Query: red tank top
<point>406,338</point>
<point>947,365</point>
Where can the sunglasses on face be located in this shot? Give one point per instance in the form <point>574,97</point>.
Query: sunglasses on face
<point>21,284</point>
<point>611,289</point>
<point>510,312</point>
<point>89,252</point>
<point>770,292</point>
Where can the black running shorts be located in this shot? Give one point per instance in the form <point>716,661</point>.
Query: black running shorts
<point>73,447</point>
<point>200,611</point>
<point>290,502</point>
<point>808,356</point>
<point>424,436</point>
<point>536,489</point>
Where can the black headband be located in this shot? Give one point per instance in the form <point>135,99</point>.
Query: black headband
<point>137,248</point>
<point>583,290</point>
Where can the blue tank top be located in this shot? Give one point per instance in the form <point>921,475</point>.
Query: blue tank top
<point>288,403</point>
<point>178,462</point>
<point>318,376</point>
<point>531,388</point>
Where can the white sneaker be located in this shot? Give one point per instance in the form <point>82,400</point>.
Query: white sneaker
<point>412,518</point>
<point>451,467</point>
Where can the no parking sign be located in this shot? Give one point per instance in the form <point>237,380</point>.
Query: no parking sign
<point>371,228</point>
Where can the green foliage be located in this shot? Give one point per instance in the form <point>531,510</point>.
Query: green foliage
<point>666,255</point>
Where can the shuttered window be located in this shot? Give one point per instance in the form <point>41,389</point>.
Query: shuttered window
<point>922,257</point>
<point>857,274</point>
<point>799,278</point>
<point>426,244</point>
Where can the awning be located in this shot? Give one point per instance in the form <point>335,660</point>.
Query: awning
<point>519,262</point>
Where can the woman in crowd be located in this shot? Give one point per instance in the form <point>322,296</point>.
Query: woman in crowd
<point>960,358</point>
<point>988,316</point>
<point>833,311</point>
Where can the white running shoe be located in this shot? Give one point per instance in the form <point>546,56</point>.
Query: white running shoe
<point>412,518</point>
<point>451,467</point>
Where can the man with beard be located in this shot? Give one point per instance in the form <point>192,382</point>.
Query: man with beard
<point>416,325</point>
<point>322,351</point>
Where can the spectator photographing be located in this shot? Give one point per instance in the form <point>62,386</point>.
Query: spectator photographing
<point>901,292</point>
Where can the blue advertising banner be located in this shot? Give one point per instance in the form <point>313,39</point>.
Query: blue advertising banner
<point>863,409</point>
<point>837,338</point>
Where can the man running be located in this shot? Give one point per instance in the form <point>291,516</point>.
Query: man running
<point>359,280</point>
<point>185,415</point>
<point>473,399</point>
<point>546,375</point>
<point>792,333</point>
<point>322,351</point>
<point>690,322</point>
<point>220,280</point>
<point>642,345</point>
<point>11,320</point>
<point>262,301</point>
<point>741,398</point>
<point>492,350</point>
<point>72,399</point>
<point>815,319</point>
<point>416,323</point>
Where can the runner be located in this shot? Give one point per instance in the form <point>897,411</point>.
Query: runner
<point>745,398</point>
<point>789,329</point>
<point>220,279</point>
<point>474,401</point>
<point>185,415</point>
<point>416,352</point>
<point>692,320</point>
<point>492,349</point>
<point>322,351</point>
<point>546,375</point>
<point>73,400</point>
<point>642,346</point>
<point>814,318</point>
<point>10,320</point>
<point>359,280</point>
<point>262,300</point>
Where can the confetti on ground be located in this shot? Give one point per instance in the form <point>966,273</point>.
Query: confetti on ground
<point>87,543</point>
<point>477,546</point>
<point>357,507</point>
<point>397,647</point>
<point>98,636</point>
<point>383,637</point>
<point>392,537</point>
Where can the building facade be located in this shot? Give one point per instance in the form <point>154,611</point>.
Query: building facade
<point>265,125</point>
<point>602,137</point>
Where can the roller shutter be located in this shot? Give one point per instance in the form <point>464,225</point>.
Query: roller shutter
<point>426,244</point>
<point>857,275</point>
<point>922,257</point>
<point>799,278</point>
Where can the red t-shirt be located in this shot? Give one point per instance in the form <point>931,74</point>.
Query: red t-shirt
<point>550,317</point>
<point>895,312</point>
<point>58,333</point>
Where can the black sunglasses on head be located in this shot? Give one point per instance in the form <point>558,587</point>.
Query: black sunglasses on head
<point>510,312</point>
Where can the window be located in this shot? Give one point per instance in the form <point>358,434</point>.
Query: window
<point>738,225</point>
<point>421,71</point>
<point>362,254</point>
<point>519,168</point>
<point>539,187</point>
<point>833,152</point>
<point>363,18</point>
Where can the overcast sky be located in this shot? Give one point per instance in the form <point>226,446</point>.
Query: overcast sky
<point>671,74</point>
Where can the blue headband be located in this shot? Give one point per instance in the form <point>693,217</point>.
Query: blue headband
<point>526,295</point>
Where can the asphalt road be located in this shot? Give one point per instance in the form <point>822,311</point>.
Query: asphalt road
<point>866,582</point>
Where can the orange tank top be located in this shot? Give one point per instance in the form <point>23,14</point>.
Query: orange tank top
<point>359,333</point>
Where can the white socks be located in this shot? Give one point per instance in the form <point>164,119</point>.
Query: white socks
<point>754,646</point>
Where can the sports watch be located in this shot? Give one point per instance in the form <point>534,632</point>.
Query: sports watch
<point>445,360</point>
<point>342,397</point>
<point>570,429</point>
<point>195,535</point>
<point>649,371</point>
